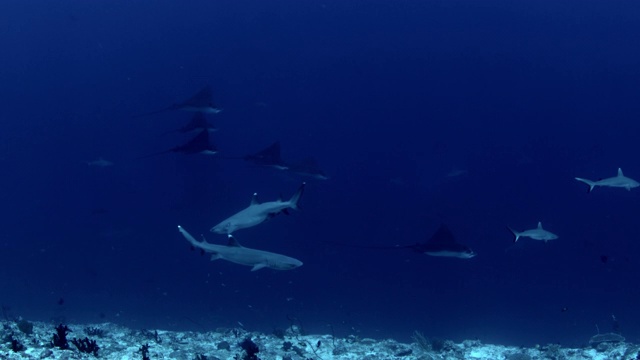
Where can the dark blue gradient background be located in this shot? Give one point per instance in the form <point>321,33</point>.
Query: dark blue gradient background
<point>389,97</point>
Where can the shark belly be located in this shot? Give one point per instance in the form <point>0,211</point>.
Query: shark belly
<point>238,222</point>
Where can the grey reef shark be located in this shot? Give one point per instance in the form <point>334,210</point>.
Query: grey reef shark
<point>200,144</point>
<point>257,213</point>
<point>619,181</point>
<point>270,157</point>
<point>197,123</point>
<point>536,234</point>
<point>238,254</point>
<point>201,102</point>
<point>441,244</point>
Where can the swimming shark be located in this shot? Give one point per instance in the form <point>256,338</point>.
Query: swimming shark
<point>201,102</point>
<point>269,156</point>
<point>197,123</point>
<point>238,254</point>
<point>200,144</point>
<point>256,213</point>
<point>617,181</point>
<point>537,234</point>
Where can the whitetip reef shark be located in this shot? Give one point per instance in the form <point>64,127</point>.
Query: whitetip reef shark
<point>256,213</point>
<point>536,234</point>
<point>238,254</point>
<point>619,181</point>
<point>201,102</point>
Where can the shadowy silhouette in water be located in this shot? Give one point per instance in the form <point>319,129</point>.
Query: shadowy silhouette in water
<point>201,102</point>
<point>198,145</point>
<point>197,123</point>
<point>441,244</point>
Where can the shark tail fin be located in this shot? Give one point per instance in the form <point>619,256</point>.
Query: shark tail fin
<point>515,233</point>
<point>591,184</point>
<point>295,199</point>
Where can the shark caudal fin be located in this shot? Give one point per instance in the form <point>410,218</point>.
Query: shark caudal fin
<point>295,199</point>
<point>591,184</point>
<point>515,234</point>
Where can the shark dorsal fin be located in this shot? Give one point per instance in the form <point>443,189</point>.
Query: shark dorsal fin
<point>254,199</point>
<point>232,241</point>
<point>540,225</point>
<point>442,236</point>
<point>620,174</point>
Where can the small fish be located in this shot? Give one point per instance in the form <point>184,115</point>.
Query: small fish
<point>99,163</point>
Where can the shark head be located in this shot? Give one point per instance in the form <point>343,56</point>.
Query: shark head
<point>225,227</point>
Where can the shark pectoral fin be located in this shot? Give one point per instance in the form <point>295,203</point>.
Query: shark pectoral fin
<point>515,233</point>
<point>215,257</point>
<point>258,266</point>
<point>285,211</point>
<point>295,199</point>
<point>231,241</point>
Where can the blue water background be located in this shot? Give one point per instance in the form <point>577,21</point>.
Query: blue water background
<point>389,97</point>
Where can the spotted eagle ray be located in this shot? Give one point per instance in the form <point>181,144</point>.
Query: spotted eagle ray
<point>441,244</point>
<point>201,102</point>
<point>200,144</point>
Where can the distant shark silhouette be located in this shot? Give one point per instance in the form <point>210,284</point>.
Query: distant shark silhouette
<point>236,253</point>
<point>441,244</point>
<point>198,145</point>
<point>270,157</point>
<point>257,213</point>
<point>200,102</point>
<point>197,123</point>
<point>617,181</point>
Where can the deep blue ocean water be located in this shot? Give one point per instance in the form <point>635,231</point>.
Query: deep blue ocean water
<point>389,97</point>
